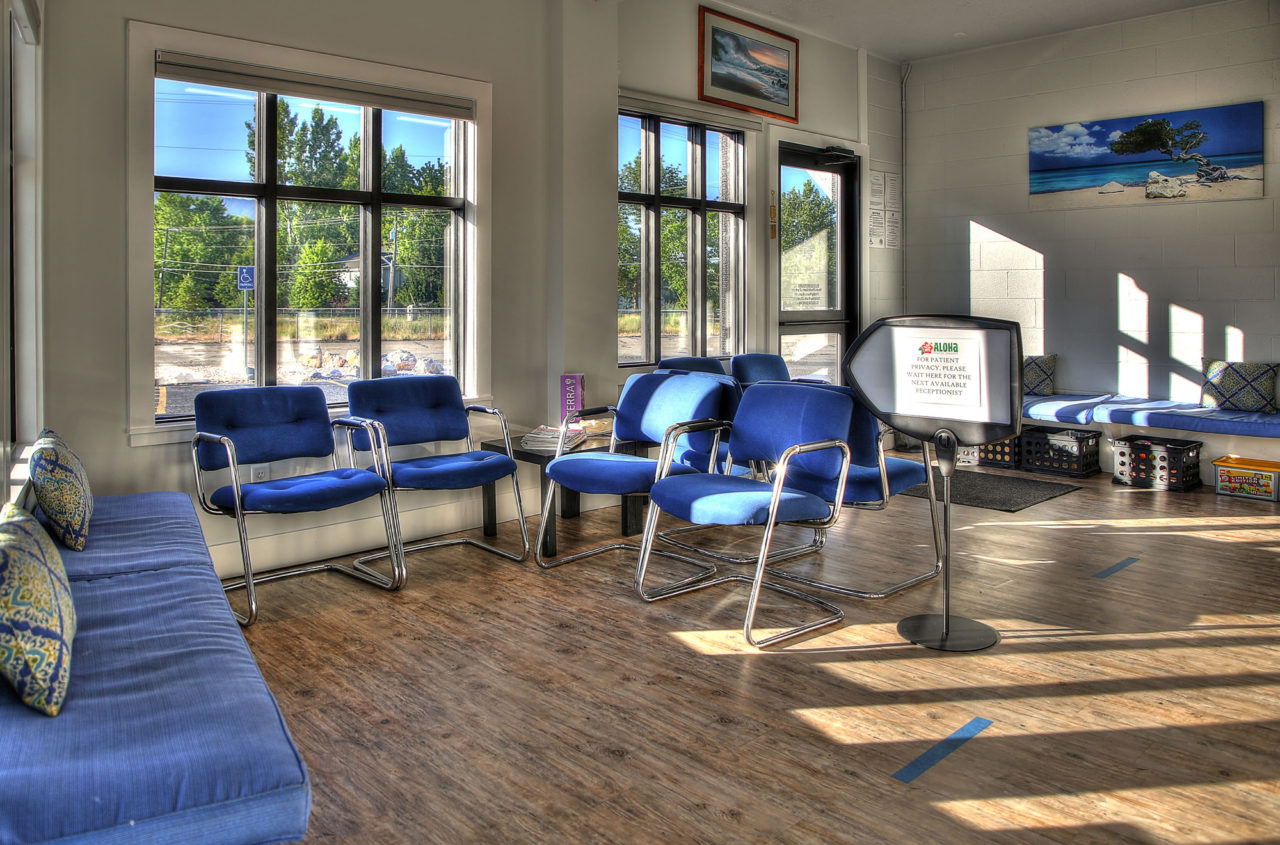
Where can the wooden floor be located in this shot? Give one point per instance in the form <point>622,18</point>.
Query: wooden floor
<point>494,702</point>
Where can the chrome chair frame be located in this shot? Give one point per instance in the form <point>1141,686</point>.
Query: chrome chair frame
<point>757,581</point>
<point>881,504</point>
<point>459,541</point>
<point>665,454</point>
<point>819,539</point>
<point>390,516</point>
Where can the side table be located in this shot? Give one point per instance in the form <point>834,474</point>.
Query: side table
<point>570,501</point>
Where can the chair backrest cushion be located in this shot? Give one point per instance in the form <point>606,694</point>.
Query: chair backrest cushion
<point>864,429</point>
<point>693,364</point>
<point>752,367</point>
<point>413,409</point>
<point>265,423</point>
<point>652,402</point>
<point>774,416</point>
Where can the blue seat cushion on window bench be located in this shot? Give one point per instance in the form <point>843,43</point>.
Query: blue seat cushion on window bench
<point>301,493</point>
<point>1186,416</point>
<point>1063,407</point>
<point>610,473</point>
<point>732,500</point>
<point>455,471</point>
<point>168,733</point>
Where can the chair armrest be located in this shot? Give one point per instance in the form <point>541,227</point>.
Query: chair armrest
<point>780,472</point>
<point>232,464</point>
<point>502,422</point>
<point>377,434</point>
<point>667,453</point>
<point>597,411</point>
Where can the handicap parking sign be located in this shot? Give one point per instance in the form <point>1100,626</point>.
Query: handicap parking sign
<point>244,278</point>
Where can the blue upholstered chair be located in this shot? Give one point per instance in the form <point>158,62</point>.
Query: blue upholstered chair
<point>751,367</point>
<point>421,413</point>
<point>650,404</point>
<point>792,428</point>
<point>695,449</point>
<point>693,364</point>
<point>263,425</point>
<point>872,479</point>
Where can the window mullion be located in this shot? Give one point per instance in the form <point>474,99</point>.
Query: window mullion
<point>265,354</point>
<point>371,243</point>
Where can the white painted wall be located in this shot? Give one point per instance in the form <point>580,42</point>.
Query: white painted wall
<point>974,243</point>
<point>555,67</point>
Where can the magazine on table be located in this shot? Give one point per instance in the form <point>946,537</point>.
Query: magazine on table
<point>548,437</point>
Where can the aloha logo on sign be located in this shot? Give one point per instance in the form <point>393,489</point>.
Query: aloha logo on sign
<point>942,346</point>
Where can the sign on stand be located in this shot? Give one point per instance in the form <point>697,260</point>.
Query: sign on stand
<point>949,382</point>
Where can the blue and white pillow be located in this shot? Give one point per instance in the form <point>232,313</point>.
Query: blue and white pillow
<point>1037,374</point>
<point>37,617</point>
<point>62,490</point>
<point>1239,386</point>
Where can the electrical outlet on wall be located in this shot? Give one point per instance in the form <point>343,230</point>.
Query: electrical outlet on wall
<point>258,472</point>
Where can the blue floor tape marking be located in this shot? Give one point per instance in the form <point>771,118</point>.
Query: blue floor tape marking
<point>1112,570</point>
<point>934,755</point>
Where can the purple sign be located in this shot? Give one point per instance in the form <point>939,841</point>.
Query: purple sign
<point>570,394</point>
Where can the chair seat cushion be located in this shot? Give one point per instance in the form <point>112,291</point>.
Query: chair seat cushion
<point>732,500</point>
<point>317,491</point>
<point>608,472</point>
<point>457,471</point>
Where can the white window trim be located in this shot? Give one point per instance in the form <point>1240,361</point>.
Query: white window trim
<point>144,40</point>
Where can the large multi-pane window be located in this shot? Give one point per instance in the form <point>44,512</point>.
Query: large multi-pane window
<point>681,205</point>
<point>300,239</point>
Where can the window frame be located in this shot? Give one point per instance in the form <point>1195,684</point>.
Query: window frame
<point>652,202</point>
<point>472,300</point>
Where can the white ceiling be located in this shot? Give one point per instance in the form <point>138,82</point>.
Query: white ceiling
<point>905,30</point>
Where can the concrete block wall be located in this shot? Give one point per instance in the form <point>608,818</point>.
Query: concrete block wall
<point>884,125</point>
<point>1129,297</point>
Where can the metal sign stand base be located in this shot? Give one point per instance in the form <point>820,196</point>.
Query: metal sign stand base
<point>942,631</point>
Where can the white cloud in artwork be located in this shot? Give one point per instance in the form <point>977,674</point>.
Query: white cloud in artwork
<point>1071,141</point>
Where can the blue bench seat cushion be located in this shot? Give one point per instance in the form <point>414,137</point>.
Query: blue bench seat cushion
<point>316,491</point>
<point>455,471</point>
<point>139,532</point>
<point>610,473</point>
<point>1187,416</point>
<point>732,500</point>
<point>1063,407</point>
<point>168,732</point>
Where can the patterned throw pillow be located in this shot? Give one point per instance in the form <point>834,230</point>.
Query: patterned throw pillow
<point>1239,386</point>
<point>37,618</point>
<point>1037,374</point>
<point>62,489</point>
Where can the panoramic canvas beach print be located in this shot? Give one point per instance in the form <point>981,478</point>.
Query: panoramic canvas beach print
<point>1198,154</point>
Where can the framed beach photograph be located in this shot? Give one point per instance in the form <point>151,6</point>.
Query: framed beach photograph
<point>1183,156</point>
<point>748,67</point>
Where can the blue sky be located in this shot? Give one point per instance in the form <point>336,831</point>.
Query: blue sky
<point>200,132</point>
<point>1231,129</point>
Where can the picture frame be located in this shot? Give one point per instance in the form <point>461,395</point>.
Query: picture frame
<point>746,66</point>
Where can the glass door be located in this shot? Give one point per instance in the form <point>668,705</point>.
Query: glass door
<point>817,235</point>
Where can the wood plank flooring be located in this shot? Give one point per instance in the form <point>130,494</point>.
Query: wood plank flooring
<point>495,702</point>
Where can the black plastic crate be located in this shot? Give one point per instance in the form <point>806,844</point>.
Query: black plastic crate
<point>1158,463</point>
<point>1001,453</point>
<point>1061,451</point>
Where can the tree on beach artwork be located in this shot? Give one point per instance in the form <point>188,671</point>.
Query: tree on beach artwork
<point>1197,154</point>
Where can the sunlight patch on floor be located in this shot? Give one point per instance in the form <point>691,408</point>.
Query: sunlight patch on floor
<point>1178,814</point>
